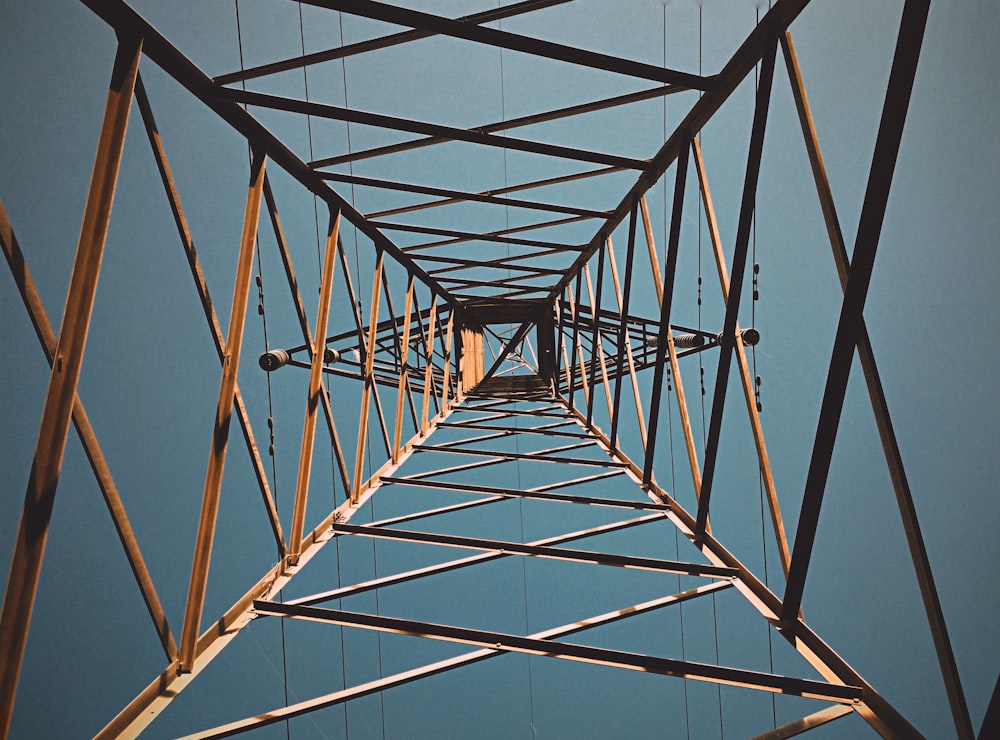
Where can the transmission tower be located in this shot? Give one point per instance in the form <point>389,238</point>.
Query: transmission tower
<point>491,461</point>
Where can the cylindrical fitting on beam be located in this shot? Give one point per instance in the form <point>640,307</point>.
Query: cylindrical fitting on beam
<point>652,340</point>
<point>331,356</point>
<point>273,360</point>
<point>750,337</point>
<point>688,341</point>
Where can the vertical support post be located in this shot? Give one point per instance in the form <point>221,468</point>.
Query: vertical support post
<point>575,342</point>
<point>623,305</point>
<point>897,99</point>
<point>429,370</point>
<point>546,341</point>
<point>223,415</point>
<point>595,346</point>
<point>403,357</point>
<point>29,548</point>
<point>359,461</point>
<point>579,360</point>
<point>446,383</point>
<point>667,293</point>
<point>470,357</point>
<point>315,390</point>
<point>558,306</point>
<point>729,338</point>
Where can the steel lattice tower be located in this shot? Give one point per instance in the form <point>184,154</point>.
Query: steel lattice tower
<point>511,386</point>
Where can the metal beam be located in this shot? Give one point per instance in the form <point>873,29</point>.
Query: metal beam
<point>382,42</point>
<point>623,297</point>
<point>315,389</point>
<point>749,397</point>
<point>774,22</point>
<point>300,312</point>
<point>223,415</point>
<point>470,236</point>
<point>596,348</point>
<point>60,398</point>
<point>551,553</point>
<point>875,710</point>
<point>890,446</point>
<point>166,686</point>
<point>666,300</point>
<point>678,381</point>
<point>729,339</point>
<point>456,196</point>
<point>396,123</point>
<point>483,557</point>
<point>897,98</point>
<point>514,42</point>
<point>359,458</point>
<point>810,722</point>
<point>124,19</point>
<point>339,697</point>
<point>208,308</point>
<point>530,120</point>
<point>541,493</point>
<point>88,438</point>
<point>516,188</point>
<point>570,651</point>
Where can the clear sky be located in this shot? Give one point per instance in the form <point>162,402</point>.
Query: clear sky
<point>150,375</point>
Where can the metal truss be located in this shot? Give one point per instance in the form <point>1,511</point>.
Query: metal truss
<point>528,342</point>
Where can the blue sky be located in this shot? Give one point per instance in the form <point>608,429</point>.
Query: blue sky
<point>150,375</point>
